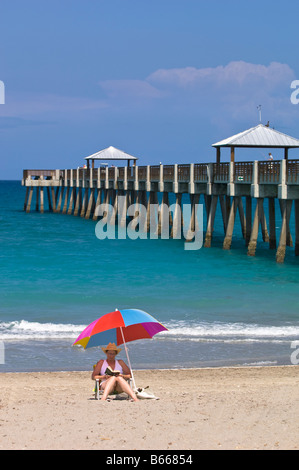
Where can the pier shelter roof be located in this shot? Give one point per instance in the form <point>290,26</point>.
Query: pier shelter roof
<point>260,136</point>
<point>110,153</point>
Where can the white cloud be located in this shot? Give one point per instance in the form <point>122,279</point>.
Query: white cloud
<point>46,104</point>
<point>130,88</point>
<point>225,92</point>
<point>238,73</point>
<point>233,90</point>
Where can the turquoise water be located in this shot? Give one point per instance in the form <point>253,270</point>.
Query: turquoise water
<point>221,307</point>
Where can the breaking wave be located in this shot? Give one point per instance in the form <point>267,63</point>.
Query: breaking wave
<point>178,330</point>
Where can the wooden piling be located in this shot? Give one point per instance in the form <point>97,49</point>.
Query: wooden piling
<point>289,239</point>
<point>210,224</point>
<point>98,202</point>
<point>84,203</point>
<point>281,250</point>
<point>177,226</point>
<point>41,206</point>
<point>255,228</point>
<point>248,219</point>
<point>272,224</point>
<point>78,204</point>
<point>242,217</point>
<point>53,199</point>
<point>71,201</point>
<point>90,204</point>
<point>66,199</point>
<point>230,225</point>
<point>28,205</point>
<point>59,204</point>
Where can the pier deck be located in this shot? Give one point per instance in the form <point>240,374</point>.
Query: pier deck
<point>233,184</point>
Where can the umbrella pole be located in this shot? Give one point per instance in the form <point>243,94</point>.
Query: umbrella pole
<point>134,384</point>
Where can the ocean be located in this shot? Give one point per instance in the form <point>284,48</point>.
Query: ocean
<point>222,308</point>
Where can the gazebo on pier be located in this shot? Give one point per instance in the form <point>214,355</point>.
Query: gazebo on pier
<point>108,154</point>
<point>260,136</point>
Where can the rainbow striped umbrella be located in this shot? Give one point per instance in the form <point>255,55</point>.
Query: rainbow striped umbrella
<point>120,327</point>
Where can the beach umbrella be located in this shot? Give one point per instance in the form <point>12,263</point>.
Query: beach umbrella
<point>119,327</point>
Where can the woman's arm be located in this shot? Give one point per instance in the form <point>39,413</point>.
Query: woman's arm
<point>97,370</point>
<point>126,371</point>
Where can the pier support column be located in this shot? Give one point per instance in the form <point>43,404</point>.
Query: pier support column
<point>207,198</point>
<point>272,235</point>
<point>230,225</point>
<point>64,209</point>
<point>98,202</point>
<point>228,206</point>
<point>223,211</point>
<point>49,199</point>
<point>143,202</point>
<point>248,219</point>
<point>289,240</point>
<point>280,254</point>
<point>53,199</point>
<point>152,208</point>
<point>90,204</point>
<point>154,215</point>
<point>37,199</point>
<point>84,202</point>
<point>193,226</point>
<point>78,205</point>
<point>210,224</point>
<point>26,198</point>
<point>122,209</point>
<point>114,215</point>
<point>59,204</point>
<point>163,217</point>
<point>263,221</point>
<point>72,200</point>
<point>41,200</point>
<point>137,204</point>
<point>242,217</point>
<point>28,205</point>
<point>255,228</point>
<point>177,226</point>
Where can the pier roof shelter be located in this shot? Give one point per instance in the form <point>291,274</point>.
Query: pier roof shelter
<point>260,136</point>
<point>110,153</point>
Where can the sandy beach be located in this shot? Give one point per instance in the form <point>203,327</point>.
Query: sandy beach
<point>224,408</point>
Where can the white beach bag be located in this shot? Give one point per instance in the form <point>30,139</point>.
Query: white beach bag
<point>144,393</point>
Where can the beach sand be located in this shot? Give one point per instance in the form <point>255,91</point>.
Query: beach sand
<point>222,408</point>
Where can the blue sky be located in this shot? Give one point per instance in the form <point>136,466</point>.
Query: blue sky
<point>160,79</point>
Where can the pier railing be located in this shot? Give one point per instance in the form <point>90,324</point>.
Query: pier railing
<point>243,172</point>
<point>37,174</point>
<point>292,171</point>
<point>221,172</point>
<point>239,173</point>
<point>269,172</point>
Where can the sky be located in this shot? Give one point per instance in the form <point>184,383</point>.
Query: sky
<point>160,79</point>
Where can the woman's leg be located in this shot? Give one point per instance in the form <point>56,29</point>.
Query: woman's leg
<point>122,385</point>
<point>108,387</point>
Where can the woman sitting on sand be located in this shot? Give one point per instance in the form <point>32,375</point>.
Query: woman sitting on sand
<point>116,383</point>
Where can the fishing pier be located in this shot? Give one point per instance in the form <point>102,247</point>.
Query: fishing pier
<point>253,189</point>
